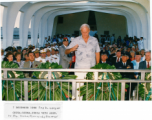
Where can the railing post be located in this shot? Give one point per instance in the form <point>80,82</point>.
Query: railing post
<point>96,75</point>
<point>5,76</point>
<point>142,76</point>
<point>123,91</point>
<point>49,75</point>
<point>5,73</point>
<point>26,90</point>
<point>74,91</point>
<point>95,78</point>
<point>49,78</point>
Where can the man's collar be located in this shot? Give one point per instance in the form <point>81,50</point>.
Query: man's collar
<point>88,38</point>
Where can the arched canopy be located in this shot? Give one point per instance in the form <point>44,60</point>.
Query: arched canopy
<point>42,14</point>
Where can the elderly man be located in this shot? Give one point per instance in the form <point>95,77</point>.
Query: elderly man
<point>147,62</point>
<point>86,47</point>
<point>87,51</point>
<point>64,59</point>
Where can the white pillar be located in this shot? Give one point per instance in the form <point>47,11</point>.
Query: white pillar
<point>40,34</point>
<point>54,26</point>
<point>20,29</point>
<point>32,30</point>
<point>4,27</point>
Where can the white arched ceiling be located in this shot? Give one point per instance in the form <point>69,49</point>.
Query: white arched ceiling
<point>138,6</point>
<point>36,21</point>
<point>122,13</point>
<point>25,18</point>
<point>51,21</point>
<point>60,13</point>
<point>52,27</point>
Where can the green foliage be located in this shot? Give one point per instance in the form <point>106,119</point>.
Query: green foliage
<point>102,90</point>
<point>55,75</point>
<point>112,76</point>
<point>11,90</point>
<point>46,88</point>
<point>148,75</point>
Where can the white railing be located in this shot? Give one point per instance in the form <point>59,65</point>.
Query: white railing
<point>74,82</point>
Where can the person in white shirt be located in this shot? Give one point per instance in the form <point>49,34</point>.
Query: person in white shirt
<point>57,54</point>
<point>54,43</point>
<point>43,55</point>
<point>136,67</point>
<point>136,63</point>
<point>36,54</point>
<point>141,43</point>
<point>54,58</point>
<point>48,53</point>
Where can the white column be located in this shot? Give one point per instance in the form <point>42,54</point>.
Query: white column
<point>32,30</point>
<point>20,29</point>
<point>40,34</point>
<point>4,27</point>
<point>54,26</point>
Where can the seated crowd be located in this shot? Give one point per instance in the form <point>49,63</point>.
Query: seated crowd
<point>128,53</point>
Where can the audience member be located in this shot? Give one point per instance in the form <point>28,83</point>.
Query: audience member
<point>18,60</point>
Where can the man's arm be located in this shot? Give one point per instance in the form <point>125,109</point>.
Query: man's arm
<point>67,51</point>
<point>97,57</point>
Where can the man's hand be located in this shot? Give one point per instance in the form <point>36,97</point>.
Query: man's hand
<point>70,62</point>
<point>74,48</point>
<point>67,51</point>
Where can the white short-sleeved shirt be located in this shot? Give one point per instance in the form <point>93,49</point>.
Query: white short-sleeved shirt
<point>55,59</point>
<point>140,44</point>
<point>38,59</point>
<point>48,58</point>
<point>85,54</point>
